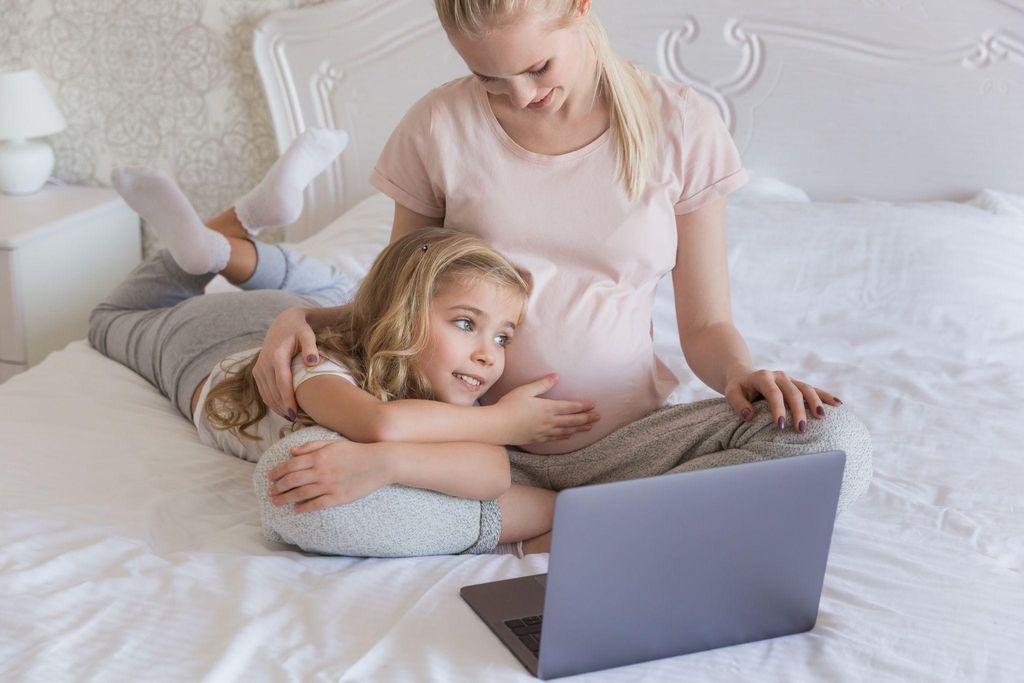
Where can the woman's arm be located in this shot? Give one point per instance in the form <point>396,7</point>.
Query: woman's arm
<point>407,220</point>
<point>323,474</point>
<point>520,417</point>
<point>712,345</point>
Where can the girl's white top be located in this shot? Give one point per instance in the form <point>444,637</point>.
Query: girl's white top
<point>269,428</point>
<point>595,256</point>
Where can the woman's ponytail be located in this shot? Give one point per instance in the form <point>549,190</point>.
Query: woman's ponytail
<point>632,113</point>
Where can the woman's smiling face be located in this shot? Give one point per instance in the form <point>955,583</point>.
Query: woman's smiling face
<point>471,323</point>
<point>526,61</point>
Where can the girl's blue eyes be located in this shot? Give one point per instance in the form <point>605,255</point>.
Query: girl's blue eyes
<point>539,72</point>
<point>469,328</point>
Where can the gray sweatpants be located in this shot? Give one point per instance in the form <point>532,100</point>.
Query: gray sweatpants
<point>156,323</point>
<point>396,521</point>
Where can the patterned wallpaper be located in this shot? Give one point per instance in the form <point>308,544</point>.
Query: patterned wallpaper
<point>169,83</point>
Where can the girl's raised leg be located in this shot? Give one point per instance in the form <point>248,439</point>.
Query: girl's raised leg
<point>277,199</point>
<point>156,323</point>
<point>218,247</point>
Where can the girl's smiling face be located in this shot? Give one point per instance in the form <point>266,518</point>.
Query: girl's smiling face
<point>471,323</point>
<point>528,60</point>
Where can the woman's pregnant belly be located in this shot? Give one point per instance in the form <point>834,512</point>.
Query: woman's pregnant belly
<point>602,353</point>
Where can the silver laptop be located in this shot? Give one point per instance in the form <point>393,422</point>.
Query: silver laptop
<point>669,565</point>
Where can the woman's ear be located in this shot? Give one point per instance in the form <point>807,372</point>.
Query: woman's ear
<point>584,7</point>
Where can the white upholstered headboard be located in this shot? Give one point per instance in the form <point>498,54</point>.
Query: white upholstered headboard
<point>887,99</point>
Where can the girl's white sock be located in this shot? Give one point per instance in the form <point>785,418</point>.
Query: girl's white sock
<point>277,199</point>
<point>154,195</point>
<point>509,549</point>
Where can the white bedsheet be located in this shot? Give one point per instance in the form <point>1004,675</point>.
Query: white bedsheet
<point>129,551</point>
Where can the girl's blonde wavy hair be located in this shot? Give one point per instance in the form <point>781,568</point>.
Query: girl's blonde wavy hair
<point>384,328</point>
<point>633,121</point>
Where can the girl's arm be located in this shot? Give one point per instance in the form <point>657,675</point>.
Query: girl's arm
<point>712,345</point>
<point>464,470</point>
<point>518,418</point>
<point>323,474</point>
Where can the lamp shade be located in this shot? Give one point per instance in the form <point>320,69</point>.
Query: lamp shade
<point>27,109</point>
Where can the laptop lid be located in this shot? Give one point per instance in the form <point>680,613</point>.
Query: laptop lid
<point>680,563</point>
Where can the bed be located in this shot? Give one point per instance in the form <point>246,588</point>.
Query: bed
<point>863,256</point>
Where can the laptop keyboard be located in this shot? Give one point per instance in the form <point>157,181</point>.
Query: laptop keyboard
<point>528,630</point>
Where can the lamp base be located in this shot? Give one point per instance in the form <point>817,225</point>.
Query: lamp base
<point>24,166</point>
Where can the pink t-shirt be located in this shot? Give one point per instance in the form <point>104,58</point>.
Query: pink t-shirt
<point>595,257</point>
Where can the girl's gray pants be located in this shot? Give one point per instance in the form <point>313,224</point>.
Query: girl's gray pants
<point>157,324</point>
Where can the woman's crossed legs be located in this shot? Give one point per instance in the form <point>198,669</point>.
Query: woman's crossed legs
<point>677,439</point>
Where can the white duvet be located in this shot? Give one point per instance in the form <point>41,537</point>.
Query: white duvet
<point>129,552</point>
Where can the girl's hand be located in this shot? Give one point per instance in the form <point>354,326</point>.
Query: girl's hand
<point>288,334</point>
<point>779,389</point>
<point>322,474</point>
<point>530,419</point>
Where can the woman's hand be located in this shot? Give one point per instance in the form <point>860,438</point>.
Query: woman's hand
<point>288,334</point>
<point>779,389</point>
<point>530,419</point>
<point>322,474</point>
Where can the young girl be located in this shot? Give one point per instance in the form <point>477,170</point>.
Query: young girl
<point>600,179</point>
<point>430,323</point>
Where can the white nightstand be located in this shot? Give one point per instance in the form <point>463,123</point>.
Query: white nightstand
<point>62,250</point>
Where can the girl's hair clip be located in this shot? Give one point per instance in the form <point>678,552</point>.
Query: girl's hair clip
<point>423,247</point>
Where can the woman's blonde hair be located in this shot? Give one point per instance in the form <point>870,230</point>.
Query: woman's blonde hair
<point>383,329</point>
<point>633,122</point>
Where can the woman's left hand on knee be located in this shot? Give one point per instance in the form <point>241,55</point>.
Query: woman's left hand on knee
<point>780,390</point>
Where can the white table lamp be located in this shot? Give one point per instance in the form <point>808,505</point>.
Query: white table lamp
<point>26,111</point>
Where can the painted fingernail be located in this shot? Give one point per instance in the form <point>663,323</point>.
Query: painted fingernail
<point>836,399</point>
<point>781,422</point>
<point>291,415</point>
<point>802,426</point>
<point>745,413</point>
<point>820,411</point>
<point>310,358</point>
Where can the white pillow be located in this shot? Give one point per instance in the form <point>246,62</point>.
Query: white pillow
<point>352,240</point>
<point>762,188</point>
<point>1000,203</point>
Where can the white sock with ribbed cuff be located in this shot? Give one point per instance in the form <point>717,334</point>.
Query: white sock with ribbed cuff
<point>277,199</point>
<point>154,195</point>
<point>509,549</point>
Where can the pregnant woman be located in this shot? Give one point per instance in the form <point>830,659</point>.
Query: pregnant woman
<point>599,179</point>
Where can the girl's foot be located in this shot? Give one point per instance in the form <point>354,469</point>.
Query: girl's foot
<point>154,195</point>
<point>277,199</point>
